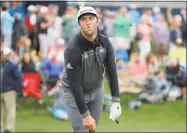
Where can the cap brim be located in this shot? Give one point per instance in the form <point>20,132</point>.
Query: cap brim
<point>86,13</point>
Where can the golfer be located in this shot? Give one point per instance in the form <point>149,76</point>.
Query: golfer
<point>88,56</point>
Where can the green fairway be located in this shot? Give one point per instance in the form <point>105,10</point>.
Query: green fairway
<point>170,117</point>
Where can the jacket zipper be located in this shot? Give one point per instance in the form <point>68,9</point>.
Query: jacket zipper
<point>94,49</point>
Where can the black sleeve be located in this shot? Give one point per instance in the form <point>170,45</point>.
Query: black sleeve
<point>72,60</point>
<point>111,72</point>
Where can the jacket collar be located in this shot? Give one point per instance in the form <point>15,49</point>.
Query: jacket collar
<point>87,42</point>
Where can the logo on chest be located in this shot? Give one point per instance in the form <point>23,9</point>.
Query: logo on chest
<point>68,66</point>
<point>85,55</point>
<point>101,50</point>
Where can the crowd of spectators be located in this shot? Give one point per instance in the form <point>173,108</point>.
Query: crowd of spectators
<point>148,46</point>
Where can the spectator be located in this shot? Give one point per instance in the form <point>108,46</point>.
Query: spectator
<point>122,29</point>
<point>183,26</point>
<point>156,89</point>
<point>58,108</point>
<point>161,83</point>
<point>54,30</point>
<point>42,25</point>
<point>6,25</point>
<point>152,63</point>
<point>170,18</point>
<point>176,75</point>
<point>138,69</point>
<point>175,24</point>
<point>135,18</point>
<point>148,13</point>
<point>10,85</point>
<point>120,64</point>
<point>37,67</point>
<point>59,47</point>
<point>68,24</point>
<point>54,9</point>
<point>27,64</point>
<point>51,68</point>
<point>175,31</point>
<point>34,20</point>
<point>178,52</point>
<point>161,35</point>
<point>30,23</point>
<point>108,22</point>
<point>20,38</point>
<point>156,13</point>
<point>6,4</point>
<point>14,57</point>
<point>35,59</point>
<point>144,30</point>
<point>17,7</point>
<point>122,55</point>
<point>101,26</point>
<point>134,14</point>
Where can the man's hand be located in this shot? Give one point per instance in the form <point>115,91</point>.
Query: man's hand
<point>115,111</point>
<point>89,123</point>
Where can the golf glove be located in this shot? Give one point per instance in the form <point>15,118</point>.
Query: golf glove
<point>115,111</point>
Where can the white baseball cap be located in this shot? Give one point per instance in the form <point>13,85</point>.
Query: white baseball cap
<point>6,50</point>
<point>43,9</point>
<point>132,6</point>
<point>31,8</point>
<point>178,17</point>
<point>178,40</point>
<point>156,9</point>
<point>86,9</point>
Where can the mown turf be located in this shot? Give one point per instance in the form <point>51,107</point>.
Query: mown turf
<point>170,117</point>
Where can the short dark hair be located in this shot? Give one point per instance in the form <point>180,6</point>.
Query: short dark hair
<point>4,8</point>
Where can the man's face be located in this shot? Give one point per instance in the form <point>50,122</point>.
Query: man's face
<point>15,3</point>
<point>161,18</point>
<point>123,11</point>
<point>88,24</point>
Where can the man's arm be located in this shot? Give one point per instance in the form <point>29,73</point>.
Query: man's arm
<point>74,74</point>
<point>111,72</point>
<point>17,76</point>
<point>15,72</point>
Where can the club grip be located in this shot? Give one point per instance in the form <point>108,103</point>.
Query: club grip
<point>117,122</point>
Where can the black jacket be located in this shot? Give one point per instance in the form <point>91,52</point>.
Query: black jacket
<point>85,64</point>
<point>28,67</point>
<point>19,30</point>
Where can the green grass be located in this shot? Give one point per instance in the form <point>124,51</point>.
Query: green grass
<point>170,117</point>
<point>167,117</point>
